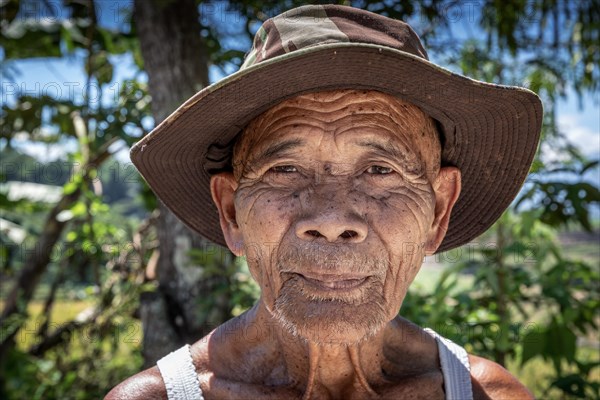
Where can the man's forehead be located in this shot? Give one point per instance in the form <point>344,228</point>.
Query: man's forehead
<point>285,146</point>
<point>351,101</point>
<point>370,111</point>
<point>387,126</point>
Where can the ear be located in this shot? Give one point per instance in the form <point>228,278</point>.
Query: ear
<point>222,188</point>
<point>447,188</point>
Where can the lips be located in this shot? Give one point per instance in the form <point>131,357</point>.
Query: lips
<point>334,282</point>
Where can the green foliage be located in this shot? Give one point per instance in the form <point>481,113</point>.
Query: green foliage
<point>564,202</point>
<point>526,300</point>
<point>96,246</point>
<point>83,357</point>
<point>542,27</point>
<point>237,286</point>
<point>89,359</point>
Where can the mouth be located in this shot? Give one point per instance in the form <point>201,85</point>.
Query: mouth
<point>329,282</point>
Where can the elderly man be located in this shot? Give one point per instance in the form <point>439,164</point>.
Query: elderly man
<point>352,151</point>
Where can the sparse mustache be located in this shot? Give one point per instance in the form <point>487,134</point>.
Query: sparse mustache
<point>332,259</point>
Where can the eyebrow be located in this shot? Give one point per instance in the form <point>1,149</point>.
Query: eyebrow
<point>278,148</point>
<point>389,148</point>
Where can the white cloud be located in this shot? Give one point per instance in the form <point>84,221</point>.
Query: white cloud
<point>586,138</point>
<point>44,152</point>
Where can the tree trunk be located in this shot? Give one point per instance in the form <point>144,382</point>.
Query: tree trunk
<point>177,67</point>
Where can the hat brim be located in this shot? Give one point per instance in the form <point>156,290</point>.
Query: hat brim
<point>491,131</point>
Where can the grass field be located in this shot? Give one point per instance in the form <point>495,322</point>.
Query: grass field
<point>64,311</point>
<point>84,366</point>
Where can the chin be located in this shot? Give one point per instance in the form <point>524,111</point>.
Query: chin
<point>326,320</point>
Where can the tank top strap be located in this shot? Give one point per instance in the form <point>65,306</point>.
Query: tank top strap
<point>456,368</point>
<point>178,372</point>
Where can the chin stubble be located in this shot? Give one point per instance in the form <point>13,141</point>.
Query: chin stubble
<point>331,317</point>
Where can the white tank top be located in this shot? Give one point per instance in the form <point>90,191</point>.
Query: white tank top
<point>181,380</point>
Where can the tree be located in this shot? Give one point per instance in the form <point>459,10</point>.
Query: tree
<point>175,72</point>
<point>94,126</point>
<point>77,230</point>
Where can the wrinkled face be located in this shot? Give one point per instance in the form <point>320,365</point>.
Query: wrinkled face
<point>334,205</point>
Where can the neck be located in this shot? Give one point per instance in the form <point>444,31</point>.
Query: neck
<point>334,367</point>
<point>327,369</point>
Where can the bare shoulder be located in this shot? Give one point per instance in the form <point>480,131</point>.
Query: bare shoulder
<point>147,384</point>
<point>492,381</point>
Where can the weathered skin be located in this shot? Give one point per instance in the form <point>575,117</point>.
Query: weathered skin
<point>335,199</point>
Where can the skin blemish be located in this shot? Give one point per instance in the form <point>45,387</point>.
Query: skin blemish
<point>381,196</point>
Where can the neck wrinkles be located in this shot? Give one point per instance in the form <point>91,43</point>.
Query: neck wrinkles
<point>328,369</point>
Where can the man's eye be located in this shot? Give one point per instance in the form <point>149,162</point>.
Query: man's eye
<point>284,169</point>
<point>379,170</point>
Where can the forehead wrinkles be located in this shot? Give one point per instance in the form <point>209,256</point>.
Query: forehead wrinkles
<point>361,107</point>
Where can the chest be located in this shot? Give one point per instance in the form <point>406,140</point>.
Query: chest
<point>428,386</point>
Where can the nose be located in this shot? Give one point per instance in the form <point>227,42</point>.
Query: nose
<point>334,226</point>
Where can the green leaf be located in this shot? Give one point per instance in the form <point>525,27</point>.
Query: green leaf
<point>31,38</point>
<point>572,384</point>
<point>101,68</point>
<point>67,39</point>
<point>78,209</point>
<point>560,342</point>
<point>107,40</point>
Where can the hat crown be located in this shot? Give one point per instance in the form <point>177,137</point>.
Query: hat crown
<point>310,26</point>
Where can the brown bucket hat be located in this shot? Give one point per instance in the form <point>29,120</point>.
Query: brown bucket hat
<point>490,132</point>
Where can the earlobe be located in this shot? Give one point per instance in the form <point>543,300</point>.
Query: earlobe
<point>447,187</point>
<point>222,188</point>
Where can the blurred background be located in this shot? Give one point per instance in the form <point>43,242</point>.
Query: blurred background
<point>98,280</point>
